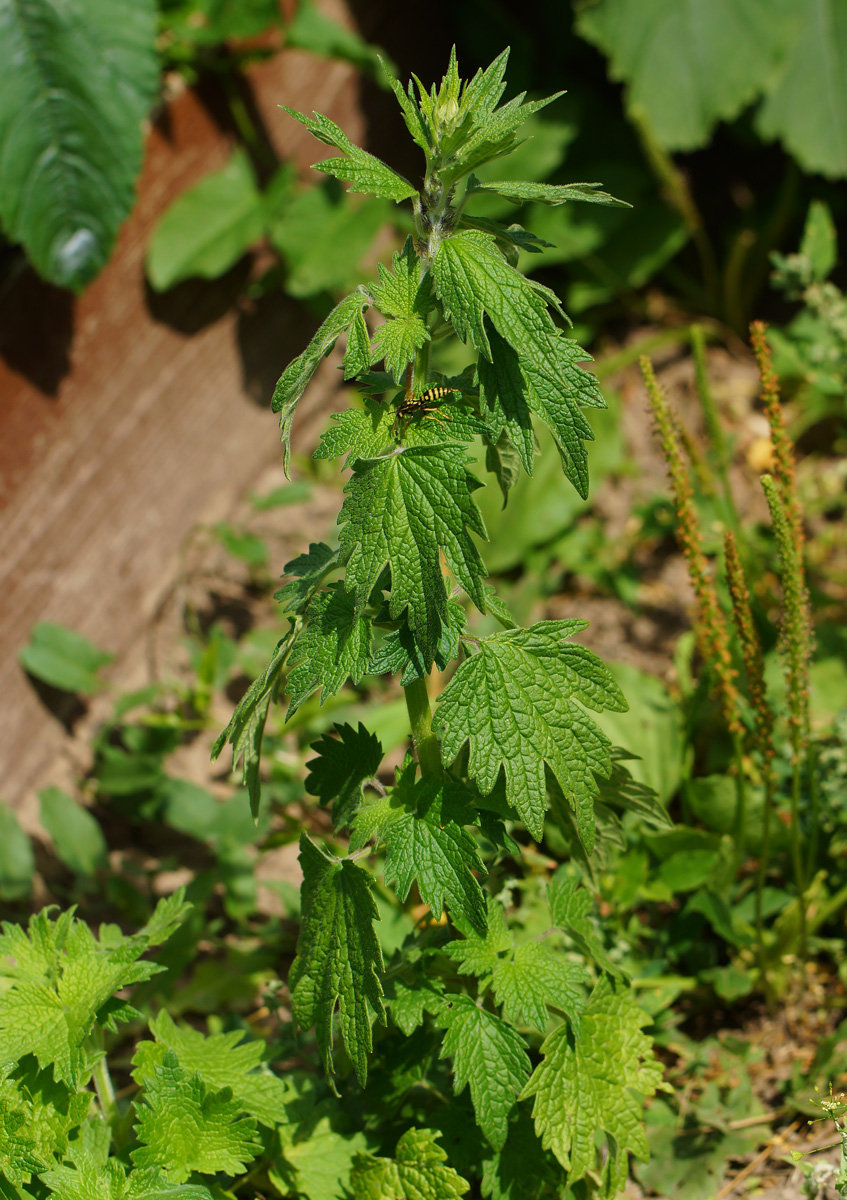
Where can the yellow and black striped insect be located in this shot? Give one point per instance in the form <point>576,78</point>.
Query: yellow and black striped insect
<point>425,405</point>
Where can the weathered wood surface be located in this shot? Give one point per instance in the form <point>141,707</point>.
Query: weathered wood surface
<point>126,419</point>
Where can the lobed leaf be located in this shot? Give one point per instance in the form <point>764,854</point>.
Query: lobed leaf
<point>403,510</point>
<point>545,678</point>
<point>474,282</point>
<point>417,1172</point>
<point>339,959</point>
<point>489,1055</point>
<point>295,378</point>
<point>363,171</point>
<point>594,1083</point>
<point>343,765</point>
<point>184,1127</point>
<point>307,572</point>
<point>333,646</point>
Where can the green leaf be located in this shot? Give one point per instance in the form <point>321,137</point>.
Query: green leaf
<point>594,1083</point>
<point>319,1163</point>
<point>399,652</point>
<point>358,433</point>
<point>357,356</point>
<point>415,123</point>
<point>545,678</point>
<point>185,1127</point>
<point>408,1003</point>
<point>417,1172</point>
<point>311,30</point>
<point>483,133</point>
<point>323,234</point>
<point>427,842</point>
<point>820,240</point>
<point>295,378</point>
<point>222,1060</point>
<point>405,298</point>
<point>687,66</point>
<point>342,766</point>
<point>474,281</point>
<point>339,959</point>
<point>208,228</point>
<point>89,1179</point>
<point>78,80</point>
<point>570,907</point>
<point>504,1173</point>
<point>403,510</point>
<point>60,979</point>
<point>481,954</point>
<point>334,646</point>
<point>521,191</point>
<point>247,724</point>
<point>17,860</point>
<point>806,102</point>
<point>64,659</point>
<point>364,172</point>
<point>77,837</point>
<point>19,1160</point>
<point>308,571</point>
<point>490,1056</point>
<point>534,980</point>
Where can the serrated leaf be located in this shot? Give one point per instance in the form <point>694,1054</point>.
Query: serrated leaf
<point>417,1172</point>
<point>570,907</point>
<point>494,134</point>
<point>622,792</point>
<point>363,171</point>
<point>247,724</point>
<point>222,1060</point>
<point>317,1165</point>
<point>522,191</point>
<point>358,433</point>
<point>416,125</point>
<point>19,1159</point>
<point>481,953</point>
<point>185,1127</point>
<point>535,979</point>
<point>545,678</point>
<point>805,104</point>
<point>405,298</point>
<point>511,235</point>
<point>490,1056</point>
<point>308,572</point>
<point>357,356</point>
<point>78,80</point>
<point>408,1003</point>
<point>427,843</point>
<point>474,282</point>
<point>403,510</point>
<point>60,977</point>
<point>342,766</point>
<point>332,647</point>
<point>92,1178</point>
<point>295,378</point>
<point>688,66</point>
<point>503,460</point>
<point>593,1083</point>
<point>339,960</point>
<point>208,228</point>
<point>399,652</point>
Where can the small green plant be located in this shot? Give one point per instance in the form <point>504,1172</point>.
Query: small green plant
<point>539,1019</point>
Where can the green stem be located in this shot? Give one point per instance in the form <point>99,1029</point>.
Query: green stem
<point>420,718</point>
<point>812,779</point>
<point>796,854</point>
<point>740,799</point>
<point>761,877</point>
<point>103,1082</point>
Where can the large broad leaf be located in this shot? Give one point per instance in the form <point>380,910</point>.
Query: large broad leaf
<point>78,79</point>
<point>517,703</point>
<point>339,960</point>
<point>403,509</point>
<point>807,106</point>
<point>209,227</point>
<point>687,64</point>
<point>594,1082</point>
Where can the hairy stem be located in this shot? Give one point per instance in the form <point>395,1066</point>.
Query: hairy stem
<point>420,718</point>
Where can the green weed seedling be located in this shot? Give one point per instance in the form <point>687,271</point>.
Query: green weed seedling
<point>538,1022</point>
